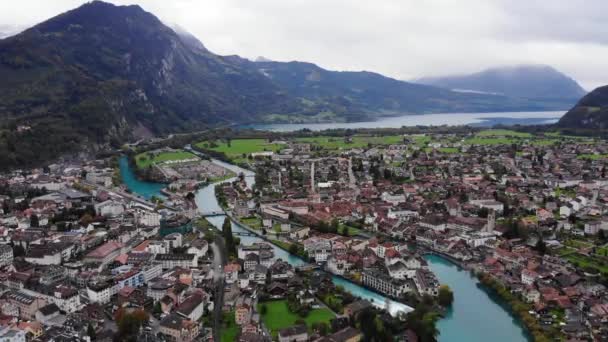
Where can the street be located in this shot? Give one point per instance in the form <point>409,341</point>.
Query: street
<point>219,260</point>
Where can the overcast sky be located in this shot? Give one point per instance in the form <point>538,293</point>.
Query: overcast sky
<point>405,39</point>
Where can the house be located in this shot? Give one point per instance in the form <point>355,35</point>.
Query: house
<point>109,208</point>
<point>104,253</point>
<point>297,333</point>
<point>177,328</point>
<point>354,308</point>
<point>242,314</point>
<point>348,334</point>
<point>100,292</point>
<point>47,314</point>
<point>169,261</point>
<point>231,273</point>
<point>27,305</point>
<point>528,277</point>
<point>192,307</point>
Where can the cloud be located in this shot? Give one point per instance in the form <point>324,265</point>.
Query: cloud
<point>400,38</point>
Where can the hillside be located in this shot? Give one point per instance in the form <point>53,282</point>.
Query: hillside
<point>93,75</point>
<point>591,112</point>
<point>539,82</point>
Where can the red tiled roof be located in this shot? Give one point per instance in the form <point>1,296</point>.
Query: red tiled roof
<point>104,250</point>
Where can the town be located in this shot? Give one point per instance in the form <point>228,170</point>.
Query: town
<point>307,236</point>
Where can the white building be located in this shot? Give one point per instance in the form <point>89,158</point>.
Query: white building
<point>109,208</point>
<point>101,292</point>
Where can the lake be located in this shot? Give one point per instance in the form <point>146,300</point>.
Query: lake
<point>450,119</point>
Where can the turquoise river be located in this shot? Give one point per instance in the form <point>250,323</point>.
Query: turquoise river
<point>475,316</point>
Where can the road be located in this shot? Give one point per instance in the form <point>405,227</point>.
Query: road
<point>219,260</point>
<point>312,177</point>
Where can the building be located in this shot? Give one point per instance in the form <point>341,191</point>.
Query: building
<point>192,307</point>
<point>158,288</point>
<point>26,304</point>
<point>173,240</point>
<point>109,208</point>
<point>132,278</point>
<point>104,253</point>
<point>383,283</point>
<point>175,224</point>
<point>241,209</point>
<point>148,218</point>
<point>9,334</point>
<point>6,255</point>
<point>177,328</point>
<point>297,333</point>
<point>242,314</point>
<point>255,248</point>
<point>101,292</point>
<point>100,178</point>
<point>168,261</point>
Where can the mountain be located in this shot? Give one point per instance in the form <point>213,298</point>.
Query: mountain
<point>94,75</point>
<point>100,74</point>
<point>591,112</point>
<point>537,82</point>
<point>8,30</point>
<point>367,92</point>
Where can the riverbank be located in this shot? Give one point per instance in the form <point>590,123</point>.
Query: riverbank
<point>519,309</point>
<point>473,307</point>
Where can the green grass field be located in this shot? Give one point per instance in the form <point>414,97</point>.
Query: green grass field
<point>592,156</point>
<point>240,146</point>
<point>146,159</point>
<point>578,243</point>
<point>253,222</point>
<point>278,316</point>
<point>503,133</point>
<point>584,261</point>
<point>490,141</point>
<point>358,141</point>
<point>230,329</point>
<point>497,137</point>
<point>544,142</point>
<point>448,150</point>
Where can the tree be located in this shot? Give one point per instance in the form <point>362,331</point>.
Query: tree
<point>333,228</point>
<point>228,237</point>
<point>157,309</point>
<point>423,322</point>
<point>293,248</point>
<point>541,246</point>
<point>91,331</point>
<point>321,327</point>
<point>263,309</point>
<point>129,322</point>
<point>18,251</point>
<point>34,222</point>
<point>446,296</point>
<point>371,326</point>
<point>190,196</point>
